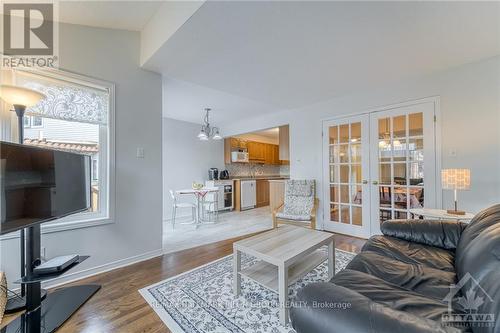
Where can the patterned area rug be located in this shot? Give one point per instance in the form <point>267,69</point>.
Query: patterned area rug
<point>202,299</point>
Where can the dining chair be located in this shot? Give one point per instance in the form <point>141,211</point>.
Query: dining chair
<point>300,205</point>
<point>211,205</point>
<point>176,204</point>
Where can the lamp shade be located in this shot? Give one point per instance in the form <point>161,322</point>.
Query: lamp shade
<point>19,96</point>
<point>455,179</point>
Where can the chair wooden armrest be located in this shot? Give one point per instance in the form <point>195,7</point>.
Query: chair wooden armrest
<point>313,213</point>
<point>276,211</point>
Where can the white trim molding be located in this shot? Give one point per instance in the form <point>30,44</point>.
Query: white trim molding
<point>86,273</point>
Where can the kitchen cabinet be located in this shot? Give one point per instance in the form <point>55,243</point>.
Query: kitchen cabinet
<point>284,153</point>
<point>256,151</point>
<point>276,154</point>
<point>262,193</point>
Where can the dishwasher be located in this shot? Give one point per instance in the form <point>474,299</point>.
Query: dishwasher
<point>248,194</point>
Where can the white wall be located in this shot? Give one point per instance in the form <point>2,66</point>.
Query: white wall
<point>113,55</point>
<point>470,108</point>
<point>186,159</point>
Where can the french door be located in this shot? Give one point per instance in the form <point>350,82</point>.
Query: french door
<point>346,174</point>
<point>378,166</point>
<point>403,167</point>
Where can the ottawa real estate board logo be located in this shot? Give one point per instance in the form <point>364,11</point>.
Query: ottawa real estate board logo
<point>30,34</point>
<point>473,302</point>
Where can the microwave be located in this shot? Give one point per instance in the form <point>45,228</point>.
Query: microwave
<point>239,156</point>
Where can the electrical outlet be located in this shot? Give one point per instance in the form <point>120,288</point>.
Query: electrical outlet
<point>140,152</point>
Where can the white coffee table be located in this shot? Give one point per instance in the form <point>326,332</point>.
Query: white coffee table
<point>287,253</point>
<point>440,214</point>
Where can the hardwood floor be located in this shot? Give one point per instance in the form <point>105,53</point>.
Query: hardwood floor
<point>118,306</point>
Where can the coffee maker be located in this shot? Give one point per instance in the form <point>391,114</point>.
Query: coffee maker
<point>213,174</point>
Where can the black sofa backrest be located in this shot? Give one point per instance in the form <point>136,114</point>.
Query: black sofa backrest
<point>478,256</point>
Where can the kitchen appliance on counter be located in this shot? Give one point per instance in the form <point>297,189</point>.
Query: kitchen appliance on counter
<point>224,174</point>
<point>239,157</point>
<point>225,195</point>
<point>248,194</point>
<point>213,174</point>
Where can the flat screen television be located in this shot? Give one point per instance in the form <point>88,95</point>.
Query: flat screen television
<point>39,185</point>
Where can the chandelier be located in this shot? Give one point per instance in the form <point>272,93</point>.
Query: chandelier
<point>208,132</point>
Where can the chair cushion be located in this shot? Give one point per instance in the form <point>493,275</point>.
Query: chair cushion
<point>421,279</point>
<point>282,215</point>
<point>411,253</point>
<point>299,198</point>
<point>300,188</point>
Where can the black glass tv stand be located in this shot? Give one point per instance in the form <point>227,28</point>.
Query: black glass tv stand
<point>46,316</point>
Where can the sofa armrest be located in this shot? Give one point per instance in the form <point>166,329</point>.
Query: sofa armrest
<point>439,233</point>
<point>328,308</point>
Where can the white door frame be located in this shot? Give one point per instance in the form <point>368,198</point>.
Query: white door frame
<point>437,144</point>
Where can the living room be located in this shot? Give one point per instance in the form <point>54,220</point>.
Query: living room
<point>393,114</point>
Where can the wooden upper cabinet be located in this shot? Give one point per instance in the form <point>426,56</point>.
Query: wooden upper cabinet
<point>284,151</point>
<point>276,154</point>
<point>256,151</point>
<point>238,143</point>
<point>268,157</point>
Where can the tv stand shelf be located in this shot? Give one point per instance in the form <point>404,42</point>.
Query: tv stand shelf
<point>42,278</point>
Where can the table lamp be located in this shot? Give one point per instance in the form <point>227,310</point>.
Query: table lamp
<point>455,179</point>
<point>21,98</point>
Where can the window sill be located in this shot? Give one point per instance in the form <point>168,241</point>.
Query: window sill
<point>65,226</point>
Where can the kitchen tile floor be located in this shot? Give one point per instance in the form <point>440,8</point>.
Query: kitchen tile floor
<point>230,225</point>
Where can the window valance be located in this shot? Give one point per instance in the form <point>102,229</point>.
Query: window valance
<point>66,100</point>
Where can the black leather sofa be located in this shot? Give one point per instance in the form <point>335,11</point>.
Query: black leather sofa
<point>400,282</point>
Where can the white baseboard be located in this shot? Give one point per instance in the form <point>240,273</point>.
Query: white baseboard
<point>101,269</point>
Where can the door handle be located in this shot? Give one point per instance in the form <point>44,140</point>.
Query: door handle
<point>365,182</point>
<point>375,182</point>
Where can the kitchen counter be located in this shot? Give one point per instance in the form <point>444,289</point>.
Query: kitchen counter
<point>262,189</point>
<point>261,177</point>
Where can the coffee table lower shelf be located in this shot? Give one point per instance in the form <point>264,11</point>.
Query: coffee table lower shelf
<point>267,274</point>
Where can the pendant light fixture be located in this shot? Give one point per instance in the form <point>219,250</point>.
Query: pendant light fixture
<point>208,132</point>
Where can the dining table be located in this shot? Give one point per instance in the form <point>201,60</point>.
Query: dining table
<point>200,195</point>
<point>399,196</point>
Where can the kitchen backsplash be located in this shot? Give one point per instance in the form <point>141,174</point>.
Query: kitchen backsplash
<point>247,170</point>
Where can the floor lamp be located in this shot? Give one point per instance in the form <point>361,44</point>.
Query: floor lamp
<point>21,98</point>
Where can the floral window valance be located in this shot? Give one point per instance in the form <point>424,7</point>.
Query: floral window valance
<point>67,100</point>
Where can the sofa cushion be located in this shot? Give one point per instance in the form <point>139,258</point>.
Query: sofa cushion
<point>411,253</point>
<point>391,295</point>
<point>421,279</point>
<point>478,262</point>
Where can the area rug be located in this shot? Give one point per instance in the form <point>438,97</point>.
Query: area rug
<point>202,300</point>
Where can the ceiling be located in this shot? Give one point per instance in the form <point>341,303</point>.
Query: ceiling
<point>125,15</point>
<point>270,135</point>
<point>276,55</point>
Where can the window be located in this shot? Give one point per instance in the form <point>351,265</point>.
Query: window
<point>33,122</point>
<point>36,122</point>
<point>76,116</point>
<point>27,122</point>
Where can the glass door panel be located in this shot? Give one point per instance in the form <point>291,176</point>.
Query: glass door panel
<point>398,137</point>
<point>347,193</point>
